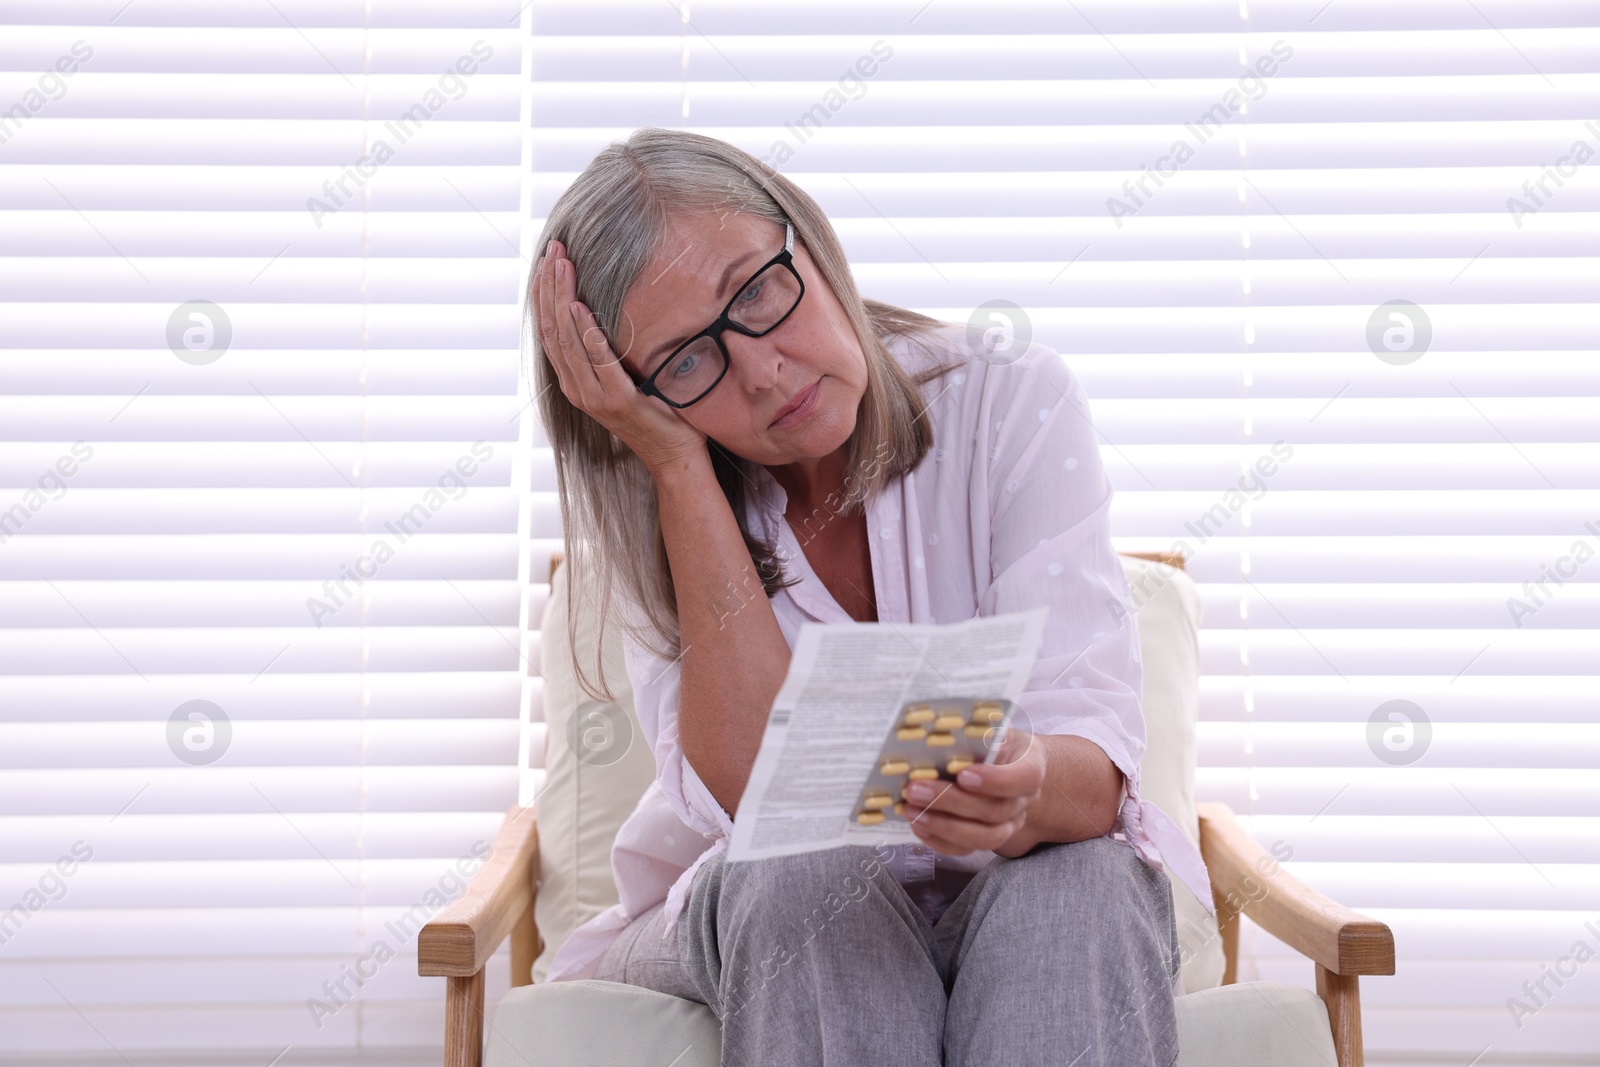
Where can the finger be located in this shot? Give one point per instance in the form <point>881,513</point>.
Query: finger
<point>546,319</point>
<point>973,833</point>
<point>952,799</point>
<point>929,836</point>
<point>1013,746</point>
<point>949,848</point>
<point>960,836</point>
<point>595,344</point>
<point>968,834</point>
<point>569,326</point>
<point>1019,779</point>
<point>560,338</point>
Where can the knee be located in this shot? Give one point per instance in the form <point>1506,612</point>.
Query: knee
<point>1095,860</point>
<point>1099,876</point>
<point>809,887</point>
<point>771,912</point>
<point>1099,895</point>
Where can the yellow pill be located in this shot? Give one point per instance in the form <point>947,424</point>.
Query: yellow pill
<point>919,715</point>
<point>987,711</point>
<point>977,729</point>
<point>919,774</point>
<point>941,740</point>
<point>957,764</point>
<point>910,733</point>
<point>900,807</point>
<point>893,767</point>
<point>948,722</point>
<point>876,801</point>
<point>868,818</point>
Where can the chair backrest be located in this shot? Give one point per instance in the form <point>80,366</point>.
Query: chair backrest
<point>1168,605</point>
<point>582,803</point>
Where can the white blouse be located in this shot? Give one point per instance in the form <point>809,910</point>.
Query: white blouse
<point>1008,511</point>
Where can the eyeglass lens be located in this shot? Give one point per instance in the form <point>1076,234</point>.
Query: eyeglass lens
<point>758,307</point>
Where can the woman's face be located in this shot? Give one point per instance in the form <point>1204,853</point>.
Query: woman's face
<point>686,287</point>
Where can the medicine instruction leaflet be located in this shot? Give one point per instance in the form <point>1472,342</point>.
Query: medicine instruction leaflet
<point>845,693</point>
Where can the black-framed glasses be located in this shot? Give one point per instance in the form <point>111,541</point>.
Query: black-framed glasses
<point>758,307</point>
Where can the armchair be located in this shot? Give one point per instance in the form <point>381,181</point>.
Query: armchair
<point>572,1023</point>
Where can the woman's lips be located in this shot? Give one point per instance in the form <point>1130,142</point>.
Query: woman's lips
<point>808,401</point>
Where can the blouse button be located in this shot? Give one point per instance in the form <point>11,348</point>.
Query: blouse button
<point>885,532</point>
<point>1054,569</point>
<point>1071,464</point>
<point>933,539</point>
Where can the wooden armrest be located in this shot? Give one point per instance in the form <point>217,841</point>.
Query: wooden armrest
<point>1171,559</point>
<point>460,941</point>
<point>1244,878</point>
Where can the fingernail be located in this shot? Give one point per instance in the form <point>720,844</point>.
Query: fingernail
<point>920,791</point>
<point>970,778</point>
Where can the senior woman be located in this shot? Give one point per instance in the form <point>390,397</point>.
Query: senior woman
<point>744,443</point>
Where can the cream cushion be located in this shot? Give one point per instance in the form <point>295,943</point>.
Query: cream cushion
<point>582,805</point>
<point>1169,626</point>
<point>575,1024</point>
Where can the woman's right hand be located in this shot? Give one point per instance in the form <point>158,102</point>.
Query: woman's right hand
<point>592,376</point>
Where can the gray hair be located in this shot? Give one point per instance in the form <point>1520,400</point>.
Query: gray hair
<point>612,221</point>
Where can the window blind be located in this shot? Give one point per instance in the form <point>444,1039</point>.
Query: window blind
<point>1211,209</point>
<point>1216,299</point>
<point>264,517</point>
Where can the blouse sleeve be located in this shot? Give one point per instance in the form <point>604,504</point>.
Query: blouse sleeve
<point>655,700</point>
<point>1050,543</point>
<point>1049,499</point>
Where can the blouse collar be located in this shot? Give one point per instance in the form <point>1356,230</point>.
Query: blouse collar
<point>765,512</point>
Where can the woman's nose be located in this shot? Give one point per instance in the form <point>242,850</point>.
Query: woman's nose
<point>757,364</point>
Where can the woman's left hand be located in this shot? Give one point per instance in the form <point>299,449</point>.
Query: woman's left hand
<point>986,807</point>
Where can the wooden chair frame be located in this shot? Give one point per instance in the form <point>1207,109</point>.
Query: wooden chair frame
<point>1245,880</point>
<point>1342,944</point>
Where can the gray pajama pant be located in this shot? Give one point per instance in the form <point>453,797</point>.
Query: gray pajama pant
<point>1065,956</point>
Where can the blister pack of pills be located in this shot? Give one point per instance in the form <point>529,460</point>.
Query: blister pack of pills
<point>932,738</point>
